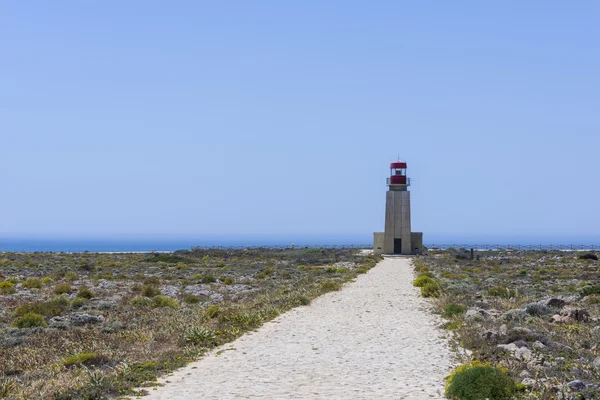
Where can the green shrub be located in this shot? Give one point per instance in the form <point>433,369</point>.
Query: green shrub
<point>150,291</point>
<point>50,308</point>
<point>477,381</point>
<point>77,359</point>
<point>212,311</point>
<point>208,279</point>
<point>164,301</point>
<point>330,286</point>
<point>85,293</point>
<point>140,301</point>
<point>71,276</point>
<point>62,288</point>
<point>29,320</point>
<point>502,291</point>
<point>588,256</point>
<point>423,280</point>
<point>201,336</point>
<point>430,289</point>
<point>46,280</point>
<point>590,289</point>
<point>77,302</point>
<point>227,280</point>
<point>32,283</point>
<point>152,280</point>
<point>7,287</point>
<point>453,309</point>
<point>192,299</point>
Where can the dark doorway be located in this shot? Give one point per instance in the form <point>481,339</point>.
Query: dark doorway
<point>397,246</point>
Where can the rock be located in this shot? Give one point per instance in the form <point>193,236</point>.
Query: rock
<point>75,319</point>
<point>476,314</point>
<point>578,314</point>
<point>508,347</point>
<point>503,330</point>
<point>554,302</point>
<point>521,343</point>
<point>523,353</point>
<point>10,342</point>
<point>538,345</point>
<point>515,315</point>
<point>537,309</point>
<point>490,335</point>
<point>576,385</point>
<point>559,319</point>
<point>596,362</point>
<point>524,374</point>
<point>528,382</point>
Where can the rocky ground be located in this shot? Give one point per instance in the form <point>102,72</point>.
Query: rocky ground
<point>536,313</point>
<point>93,326</point>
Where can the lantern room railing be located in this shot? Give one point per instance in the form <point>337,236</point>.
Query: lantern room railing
<point>387,182</point>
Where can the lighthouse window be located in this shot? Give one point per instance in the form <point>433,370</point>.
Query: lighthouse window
<point>399,172</point>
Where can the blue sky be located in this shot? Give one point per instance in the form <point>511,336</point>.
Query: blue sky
<point>198,118</point>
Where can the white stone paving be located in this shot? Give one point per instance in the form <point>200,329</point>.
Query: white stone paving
<point>374,339</point>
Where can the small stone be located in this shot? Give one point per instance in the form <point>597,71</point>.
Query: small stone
<point>528,382</point>
<point>577,314</point>
<point>503,329</point>
<point>538,345</point>
<point>596,362</point>
<point>508,347</point>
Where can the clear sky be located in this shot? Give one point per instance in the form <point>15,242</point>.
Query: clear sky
<point>281,117</point>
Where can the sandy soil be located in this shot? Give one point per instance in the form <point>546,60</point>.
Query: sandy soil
<point>374,339</point>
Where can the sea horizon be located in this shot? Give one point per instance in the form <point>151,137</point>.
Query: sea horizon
<point>146,244</point>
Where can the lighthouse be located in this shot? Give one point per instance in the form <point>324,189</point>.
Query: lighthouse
<point>398,237</point>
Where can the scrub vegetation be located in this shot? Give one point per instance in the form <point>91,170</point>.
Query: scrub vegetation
<point>526,322</point>
<point>95,326</point>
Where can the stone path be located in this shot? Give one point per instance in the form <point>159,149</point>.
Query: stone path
<point>374,339</point>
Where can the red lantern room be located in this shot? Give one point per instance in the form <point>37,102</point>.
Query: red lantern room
<point>398,174</point>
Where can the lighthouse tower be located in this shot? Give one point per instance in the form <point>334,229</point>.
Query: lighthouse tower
<point>398,238</point>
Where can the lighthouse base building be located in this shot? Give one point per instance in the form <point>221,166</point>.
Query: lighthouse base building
<point>397,238</point>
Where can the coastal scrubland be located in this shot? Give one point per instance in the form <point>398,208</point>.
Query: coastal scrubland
<point>530,316</point>
<point>94,326</point>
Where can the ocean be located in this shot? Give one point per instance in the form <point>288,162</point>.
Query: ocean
<point>141,244</point>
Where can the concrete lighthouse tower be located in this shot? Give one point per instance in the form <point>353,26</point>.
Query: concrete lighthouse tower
<point>398,238</point>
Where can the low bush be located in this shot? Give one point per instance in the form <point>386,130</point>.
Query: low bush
<point>212,311</point>
<point>201,336</point>
<point>477,381</point>
<point>330,286</point>
<point>63,288</point>
<point>78,359</point>
<point>50,308</point>
<point>590,289</point>
<point>422,280</point>
<point>140,301</point>
<point>85,293</point>
<point>430,289</point>
<point>150,291</point>
<point>453,309</point>
<point>502,291</point>
<point>208,279</point>
<point>7,287</point>
<point>588,256</point>
<point>192,299</point>
<point>29,320</point>
<point>164,301</point>
<point>227,280</point>
<point>77,302</point>
<point>32,283</point>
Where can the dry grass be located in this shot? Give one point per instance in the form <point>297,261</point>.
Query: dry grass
<point>121,320</point>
